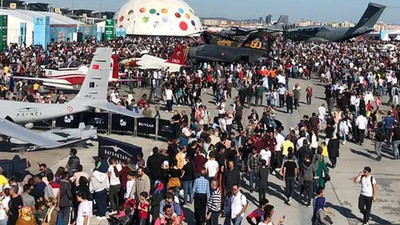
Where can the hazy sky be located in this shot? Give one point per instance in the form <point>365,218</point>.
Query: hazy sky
<point>323,10</point>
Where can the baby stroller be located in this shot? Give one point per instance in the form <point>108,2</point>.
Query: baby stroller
<point>126,216</point>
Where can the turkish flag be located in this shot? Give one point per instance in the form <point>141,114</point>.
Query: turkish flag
<point>96,67</point>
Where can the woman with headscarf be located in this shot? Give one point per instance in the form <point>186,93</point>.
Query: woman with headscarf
<point>319,217</point>
<point>52,213</point>
<point>26,217</point>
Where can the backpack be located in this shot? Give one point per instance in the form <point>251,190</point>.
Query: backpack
<point>380,135</point>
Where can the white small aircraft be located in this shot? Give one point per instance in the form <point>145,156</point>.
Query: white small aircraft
<point>93,94</point>
<point>173,64</point>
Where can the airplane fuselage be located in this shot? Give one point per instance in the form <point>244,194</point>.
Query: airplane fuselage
<point>27,112</point>
<point>225,53</point>
<point>326,34</point>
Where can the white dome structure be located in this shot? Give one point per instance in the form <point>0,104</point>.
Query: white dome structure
<point>158,17</point>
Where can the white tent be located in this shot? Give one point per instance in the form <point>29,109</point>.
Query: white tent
<point>16,17</point>
<point>158,17</point>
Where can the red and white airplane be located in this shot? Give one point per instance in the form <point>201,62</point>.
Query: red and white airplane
<point>71,76</point>
<point>173,64</point>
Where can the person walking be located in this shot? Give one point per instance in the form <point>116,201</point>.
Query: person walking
<point>309,93</point>
<point>361,123</point>
<point>263,182</point>
<point>115,184</point>
<point>396,141</point>
<point>253,165</point>
<point>368,193</point>
<point>388,123</point>
<point>289,102</point>
<point>289,173</point>
<point>379,139</point>
<point>296,95</point>
<point>308,174</point>
<point>333,150</point>
<point>238,116</point>
<point>259,94</point>
<point>214,203</point>
<point>231,176</point>
<point>239,205</point>
<point>201,192</point>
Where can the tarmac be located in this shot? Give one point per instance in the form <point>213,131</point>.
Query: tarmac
<point>341,193</point>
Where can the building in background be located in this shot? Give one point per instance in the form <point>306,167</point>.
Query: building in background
<point>268,19</point>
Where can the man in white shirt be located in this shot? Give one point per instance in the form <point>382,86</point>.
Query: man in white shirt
<point>84,210</point>
<point>169,97</point>
<point>130,186</point>
<point>265,154</point>
<point>368,193</point>
<point>321,115</point>
<point>115,184</point>
<point>211,166</point>
<point>361,123</point>
<point>239,205</point>
<point>278,147</point>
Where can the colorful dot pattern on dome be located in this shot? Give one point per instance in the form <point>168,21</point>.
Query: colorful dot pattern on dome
<point>151,15</point>
<point>183,25</point>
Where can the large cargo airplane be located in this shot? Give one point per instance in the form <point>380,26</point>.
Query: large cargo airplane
<point>173,64</point>
<point>93,94</point>
<point>326,33</point>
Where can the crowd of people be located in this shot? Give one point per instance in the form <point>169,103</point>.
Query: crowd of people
<point>212,158</point>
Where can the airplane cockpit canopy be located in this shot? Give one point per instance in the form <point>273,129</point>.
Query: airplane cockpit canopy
<point>71,65</point>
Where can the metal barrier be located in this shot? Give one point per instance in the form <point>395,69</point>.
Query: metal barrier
<point>110,123</point>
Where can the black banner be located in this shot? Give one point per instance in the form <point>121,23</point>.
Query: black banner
<point>122,124</point>
<point>112,148</point>
<point>146,125</point>
<point>71,121</point>
<point>98,120</point>
<point>165,129</point>
<point>14,167</point>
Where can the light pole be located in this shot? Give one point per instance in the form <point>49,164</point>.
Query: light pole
<point>72,7</point>
<point>100,9</point>
<point>2,2</point>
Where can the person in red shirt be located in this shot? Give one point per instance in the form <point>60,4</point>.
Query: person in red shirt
<point>142,101</point>
<point>199,162</point>
<point>123,177</point>
<point>270,141</point>
<point>258,213</point>
<point>257,142</point>
<point>143,208</point>
<point>309,94</point>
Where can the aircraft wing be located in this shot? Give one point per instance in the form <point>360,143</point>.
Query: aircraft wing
<point>115,109</point>
<point>13,130</point>
<point>58,83</point>
<point>47,80</point>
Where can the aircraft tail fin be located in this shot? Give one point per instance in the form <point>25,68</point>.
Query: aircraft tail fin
<point>178,57</point>
<point>282,21</point>
<point>93,93</point>
<point>95,85</point>
<point>371,15</point>
<point>115,67</point>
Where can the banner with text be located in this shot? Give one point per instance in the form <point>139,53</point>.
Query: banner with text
<point>112,148</point>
